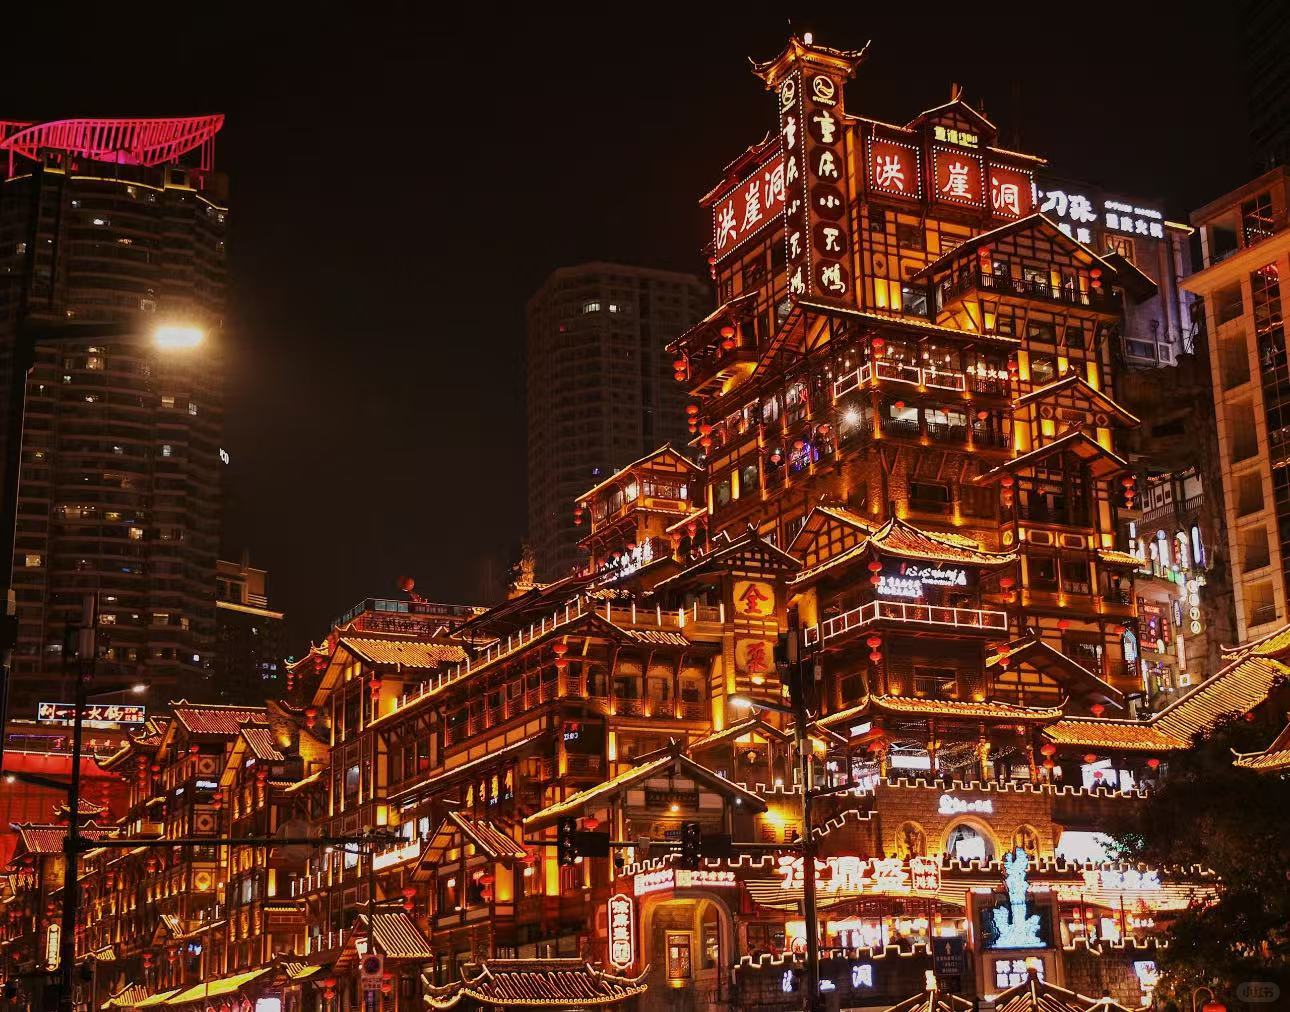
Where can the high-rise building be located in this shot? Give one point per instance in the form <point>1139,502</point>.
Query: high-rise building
<point>599,386</point>
<point>1265,46</point>
<point>1245,245</point>
<point>115,221</point>
<point>249,655</point>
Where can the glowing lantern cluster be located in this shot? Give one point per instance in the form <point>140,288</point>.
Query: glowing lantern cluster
<point>1006,493</point>
<point>311,716</point>
<point>692,417</point>
<point>1130,490</point>
<point>874,643</point>
<point>1095,279</point>
<point>679,370</point>
<point>577,515</point>
<point>727,338</point>
<point>560,649</point>
<point>875,567</point>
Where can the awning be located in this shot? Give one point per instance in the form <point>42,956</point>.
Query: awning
<point>216,988</point>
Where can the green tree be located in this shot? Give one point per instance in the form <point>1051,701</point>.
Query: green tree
<point>1236,822</point>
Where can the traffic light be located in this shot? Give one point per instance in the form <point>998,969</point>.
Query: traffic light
<point>691,845</point>
<point>566,841</point>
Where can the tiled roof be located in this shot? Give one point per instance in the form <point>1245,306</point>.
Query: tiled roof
<point>488,839</point>
<point>1274,758</point>
<point>48,839</point>
<point>915,706</point>
<point>217,987</point>
<point>1035,995</point>
<point>128,997</point>
<point>1092,732</point>
<point>204,718</point>
<point>397,936</point>
<point>932,1000</point>
<point>1079,385</point>
<point>260,741</point>
<point>1273,645</point>
<point>1077,442</point>
<point>160,998</point>
<point>1237,688</point>
<point>671,757</point>
<point>1045,657</point>
<point>1113,558</point>
<point>407,653</point>
<point>555,983</point>
<point>749,725</point>
<point>896,537</point>
<point>666,450</point>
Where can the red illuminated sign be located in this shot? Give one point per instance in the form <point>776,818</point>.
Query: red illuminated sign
<point>754,203</point>
<point>622,931</point>
<point>1012,192</point>
<point>956,177</point>
<point>894,168</point>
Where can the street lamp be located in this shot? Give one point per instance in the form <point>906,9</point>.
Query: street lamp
<point>170,336</point>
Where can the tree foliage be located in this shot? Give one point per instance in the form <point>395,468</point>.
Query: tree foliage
<point>1236,822</point>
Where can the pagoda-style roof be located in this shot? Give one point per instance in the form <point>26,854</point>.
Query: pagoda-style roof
<point>950,709</point>
<point>932,1000</point>
<point>471,767</point>
<point>748,552</point>
<point>1273,759</point>
<point>1111,557</point>
<point>456,827</point>
<point>217,987</point>
<point>739,167</point>
<point>210,718</point>
<point>127,997</point>
<point>956,106</point>
<point>749,725</point>
<point>395,935</point>
<point>666,456</point>
<point>1078,387</point>
<point>414,654</point>
<point>534,983</point>
<point>42,839</point>
<point>1236,689</point>
<point>844,61</point>
<point>736,310</point>
<point>913,326</point>
<point>1275,644</point>
<point>1102,462</point>
<point>1127,735</point>
<point>896,537</point>
<point>1037,995</point>
<point>1042,656</point>
<point>673,759</point>
<point>1036,222</point>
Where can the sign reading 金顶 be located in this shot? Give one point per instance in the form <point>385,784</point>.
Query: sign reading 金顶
<point>744,211</point>
<point>96,713</point>
<point>754,599</point>
<point>622,931</point>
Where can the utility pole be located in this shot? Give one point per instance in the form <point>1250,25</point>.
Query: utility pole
<point>798,673</point>
<point>85,654</point>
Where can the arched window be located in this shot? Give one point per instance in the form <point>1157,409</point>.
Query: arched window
<point>966,842</point>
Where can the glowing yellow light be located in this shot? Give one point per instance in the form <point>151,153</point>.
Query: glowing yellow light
<point>171,336</point>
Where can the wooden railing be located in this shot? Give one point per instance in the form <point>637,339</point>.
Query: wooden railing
<point>905,611</point>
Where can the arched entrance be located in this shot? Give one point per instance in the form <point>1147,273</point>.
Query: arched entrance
<point>689,943</point>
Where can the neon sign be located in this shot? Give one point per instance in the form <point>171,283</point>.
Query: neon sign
<point>1129,879</point>
<point>753,204</point>
<point>98,713</point>
<point>622,931</point>
<point>855,875</point>
<point>665,879</point>
<point>909,580</point>
<point>950,805</point>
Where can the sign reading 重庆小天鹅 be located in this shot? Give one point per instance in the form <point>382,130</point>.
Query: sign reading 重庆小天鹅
<point>856,875</point>
<point>96,713</point>
<point>756,202</point>
<point>622,931</point>
<point>910,579</point>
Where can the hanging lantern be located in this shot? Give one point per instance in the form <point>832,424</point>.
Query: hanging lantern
<point>876,657</point>
<point>560,649</point>
<point>705,429</point>
<point>1049,764</point>
<point>1048,749</point>
<point>875,579</point>
<point>590,823</point>
<point>1007,582</point>
<point>873,642</point>
<point>1063,624</point>
<point>1097,709</point>
<point>387,987</point>
<point>1119,630</point>
<point>311,716</point>
<point>409,892</point>
<point>1090,758</point>
<point>776,457</point>
<point>899,405</point>
<point>981,416</point>
<point>727,331</point>
<point>1153,763</point>
<point>878,344</point>
<point>193,750</point>
<point>706,442</point>
<point>692,410</point>
<point>156,767</point>
<point>875,566</point>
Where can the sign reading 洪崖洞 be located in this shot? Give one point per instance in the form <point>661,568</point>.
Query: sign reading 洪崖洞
<point>754,599</point>
<point>95,713</point>
<point>622,931</point>
<point>756,202</point>
<point>910,580</point>
<point>856,875</point>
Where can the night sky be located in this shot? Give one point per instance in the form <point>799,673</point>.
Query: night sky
<point>402,179</point>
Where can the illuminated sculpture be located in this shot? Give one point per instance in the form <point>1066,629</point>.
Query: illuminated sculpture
<point>1013,929</point>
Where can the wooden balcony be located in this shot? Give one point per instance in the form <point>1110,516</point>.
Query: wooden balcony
<point>965,619</point>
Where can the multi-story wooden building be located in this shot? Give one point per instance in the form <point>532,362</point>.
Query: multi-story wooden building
<point>905,419</point>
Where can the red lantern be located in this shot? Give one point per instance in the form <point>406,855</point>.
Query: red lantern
<point>559,649</point>
<point>1006,582</point>
<point>193,750</point>
<point>691,410</point>
<point>1118,630</point>
<point>981,416</point>
<point>1049,764</point>
<point>1007,481</point>
<point>899,405</point>
<point>876,657</point>
<point>878,344</point>
<point>1090,758</point>
<point>875,566</point>
<point>1049,749</point>
<point>311,715</point>
<point>873,642</point>
<point>1153,763</point>
<point>875,579</point>
<point>590,823</point>
<point>1213,1005</point>
<point>706,442</point>
<point>156,767</point>
<point>1063,624</point>
<point>330,983</point>
<point>1097,709</point>
<point>409,892</point>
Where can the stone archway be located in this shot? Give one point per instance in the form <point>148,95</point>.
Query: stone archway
<point>689,943</point>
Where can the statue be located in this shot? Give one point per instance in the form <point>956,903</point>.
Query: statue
<point>521,575</point>
<point>1013,929</point>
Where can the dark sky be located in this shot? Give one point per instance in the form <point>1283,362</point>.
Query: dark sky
<point>402,179</point>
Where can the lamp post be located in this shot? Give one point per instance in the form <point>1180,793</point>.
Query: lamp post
<point>806,776</point>
<point>165,337</point>
<point>168,337</point>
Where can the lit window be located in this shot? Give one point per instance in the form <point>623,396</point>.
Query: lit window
<point>192,408</point>
<point>94,362</point>
<point>591,307</point>
<point>34,561</point>
<point>136,533</point>
<point>167,401</point>
<point>165,449</point>
<point>107,618</point>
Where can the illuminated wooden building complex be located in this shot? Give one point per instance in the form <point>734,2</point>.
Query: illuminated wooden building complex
<point>904,411</point>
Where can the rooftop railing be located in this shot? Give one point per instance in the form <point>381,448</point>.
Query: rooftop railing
<point>905,611</point>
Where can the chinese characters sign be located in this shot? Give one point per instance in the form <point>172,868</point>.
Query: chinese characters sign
<point>857,875</point>
<point>957,177</point>
<point>1012,192</point>
<point>754,656</point>
<point>665,879</point>
<point>1078,213</point>
<point>894,168</point>
<point>97,713</point>
<point>745,210</point>
<point>622,931</point>
<point>815,212</point>
<point>910,579</point>
<point>754,599</point>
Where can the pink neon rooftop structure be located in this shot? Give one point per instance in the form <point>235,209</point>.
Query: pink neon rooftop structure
<point>118,141</point>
